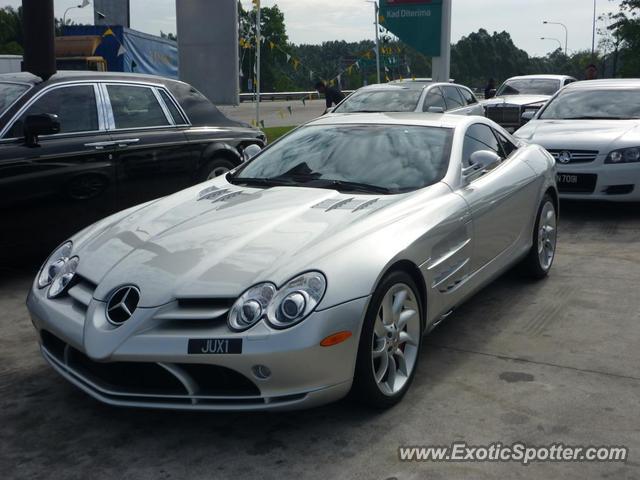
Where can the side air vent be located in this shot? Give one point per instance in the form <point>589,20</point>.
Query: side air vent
<point>353,204</point>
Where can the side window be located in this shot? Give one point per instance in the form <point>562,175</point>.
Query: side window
<point>434,98</point>
<point>453,98</point>
<point>75,107</point>
<point>468,97</point>
<point>178,119</point>
<point>479,137</point>
<point>135,107</point>
<point>508,147</point>
<point>568,81</point>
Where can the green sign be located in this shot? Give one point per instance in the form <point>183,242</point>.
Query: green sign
<point>418,23</point>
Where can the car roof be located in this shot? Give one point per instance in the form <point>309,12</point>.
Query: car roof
<point>540,77</point>
<point>404,118</point>
<point>407,85</point>
<point>605,83</point>
<point>73,75</point>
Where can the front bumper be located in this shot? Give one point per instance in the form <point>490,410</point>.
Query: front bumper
<point>615,182</point>
<point>145,362</point>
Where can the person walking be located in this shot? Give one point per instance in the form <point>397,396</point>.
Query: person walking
<point>332,95</point>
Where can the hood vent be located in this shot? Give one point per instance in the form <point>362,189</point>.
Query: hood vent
<point>215,194</point>
<point>352,204</point>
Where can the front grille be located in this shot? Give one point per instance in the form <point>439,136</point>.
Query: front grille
<point>153,382</point>
<point>576,156</point>
<point>504,115</point>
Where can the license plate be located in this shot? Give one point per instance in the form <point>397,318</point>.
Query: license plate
<point>577,182</point>
<point>215,346</point>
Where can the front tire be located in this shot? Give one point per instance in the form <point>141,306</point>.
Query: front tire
<point>389,343</point>
<point>215,168</point>
<point>545,234</point>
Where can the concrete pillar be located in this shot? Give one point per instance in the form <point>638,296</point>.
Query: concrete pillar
<point>39,38</point>
<point>441,66</point>
<point>208,48</point>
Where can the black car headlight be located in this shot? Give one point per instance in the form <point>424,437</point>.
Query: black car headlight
<point>296,300</point>
<point>281,308</point>
<point>54,264</point>
<point>624,155</point>
<point>250,308</point>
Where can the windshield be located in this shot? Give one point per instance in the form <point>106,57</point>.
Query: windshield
<point>9,93</point>
<point>594,105</point>
<point>404,100</point>
<point>375,158</point>
<point>529,86</point>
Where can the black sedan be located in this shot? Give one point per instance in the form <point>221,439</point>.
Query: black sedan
<point>81,145</point>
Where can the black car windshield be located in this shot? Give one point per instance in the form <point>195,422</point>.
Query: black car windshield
<point>359,158</point>
<point>9,93</point>
<point>396,100</point>
<point>529,86</point>
<point>615,104</point>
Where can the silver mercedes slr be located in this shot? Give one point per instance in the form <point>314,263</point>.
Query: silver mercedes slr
<point>310,272</point>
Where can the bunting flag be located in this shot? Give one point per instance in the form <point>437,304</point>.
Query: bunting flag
<point>350,69</point>
<point>288,57</point>
<point>108,32</point>
<point>271,45</point>
<point>296,64</point>
<point>121,50</point>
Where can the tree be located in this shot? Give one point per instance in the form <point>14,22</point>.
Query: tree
<point>11,41</point>
<point>625,28</point>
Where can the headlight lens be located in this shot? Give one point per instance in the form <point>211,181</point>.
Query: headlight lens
<point>54,264</point>
<point>251,306</point>
<point>296,300</point>
<point>624,155</point>
<point>63,278</point>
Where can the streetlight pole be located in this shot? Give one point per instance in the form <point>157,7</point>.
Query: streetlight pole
<point>82,5</point>
<point>376,11</point>
<point>258,42</point>
<point>593,38</point>
<point>566,34</point>
<point>553,39</point>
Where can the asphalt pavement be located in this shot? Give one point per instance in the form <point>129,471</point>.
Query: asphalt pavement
<point>537,362</point>
<point>277,113</point>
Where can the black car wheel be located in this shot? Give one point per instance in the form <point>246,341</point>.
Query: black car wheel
<point>214,168</point>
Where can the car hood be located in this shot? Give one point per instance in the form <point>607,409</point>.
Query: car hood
<point>597,135</point>
<point>517,100</point>
<point>217,239</point>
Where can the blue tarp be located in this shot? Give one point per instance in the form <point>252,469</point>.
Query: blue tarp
<point>128,50</point>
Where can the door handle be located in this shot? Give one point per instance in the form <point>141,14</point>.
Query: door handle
<point>126,142</point>
<point>100,145</point>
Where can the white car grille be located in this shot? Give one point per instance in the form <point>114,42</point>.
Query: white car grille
<point>574,156</point>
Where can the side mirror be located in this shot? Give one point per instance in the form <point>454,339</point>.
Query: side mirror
<point>481,161</point>
<point>42,124</point>
<point>435,110</point>
<point>250,151</point>
<point>527,116</point>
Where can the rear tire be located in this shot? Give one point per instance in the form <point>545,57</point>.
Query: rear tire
<point>540,258</point>
<point>390,342</point>
<point>215,168</point>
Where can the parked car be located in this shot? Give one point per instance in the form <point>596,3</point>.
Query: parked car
<point>309,271</point>
<point>83,145</point>
<point>593,131</point>
<point>412,96</point>
<point>519,98</point>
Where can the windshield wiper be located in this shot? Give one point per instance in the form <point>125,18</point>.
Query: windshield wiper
<point>261,182</point>
<point>599,118</point>
<point>343,185</point>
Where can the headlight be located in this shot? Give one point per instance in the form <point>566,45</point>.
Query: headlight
<point>251,306</point>
<point>296,300</point>
<point>54,264</point>
<point>624,155</point>
<point>63,278</point>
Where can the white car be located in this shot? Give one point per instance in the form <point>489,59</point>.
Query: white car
<point>412,96</point>
<point>522,96</point>
<point>593,130</point>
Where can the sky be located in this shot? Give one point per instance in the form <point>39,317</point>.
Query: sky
<point>315,21</point>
